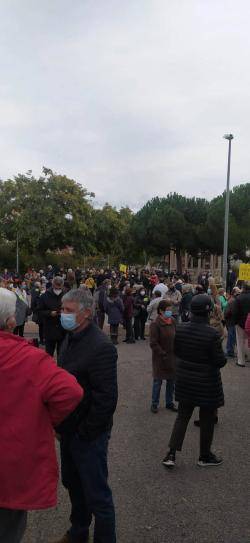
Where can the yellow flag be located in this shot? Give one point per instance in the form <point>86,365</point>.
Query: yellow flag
<point>244,272</point>
<point>123,268</point>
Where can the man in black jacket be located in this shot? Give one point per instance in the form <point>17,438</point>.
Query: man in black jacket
<point>49,311</point>
<point>239,311</point>
<point>198,381</point>
<point>89,355</point>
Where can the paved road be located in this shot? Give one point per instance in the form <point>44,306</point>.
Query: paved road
<point>187,505</point>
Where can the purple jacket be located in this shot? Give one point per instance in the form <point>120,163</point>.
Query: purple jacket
<point>114,309</point>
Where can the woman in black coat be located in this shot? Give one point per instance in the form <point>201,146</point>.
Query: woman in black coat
<point>198,381</point>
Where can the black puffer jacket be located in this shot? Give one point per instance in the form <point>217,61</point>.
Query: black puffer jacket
<point>199,358</point>
<point>92,358</point>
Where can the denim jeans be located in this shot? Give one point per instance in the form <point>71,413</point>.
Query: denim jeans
<point>85,475</point>
<point>156,390</point>
<point>231,340</point>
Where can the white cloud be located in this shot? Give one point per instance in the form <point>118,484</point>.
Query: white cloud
<point>130,98</point>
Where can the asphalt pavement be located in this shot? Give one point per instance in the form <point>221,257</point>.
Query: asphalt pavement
<point>153,505</point>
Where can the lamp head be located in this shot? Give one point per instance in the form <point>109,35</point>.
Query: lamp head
<point>228,136</point>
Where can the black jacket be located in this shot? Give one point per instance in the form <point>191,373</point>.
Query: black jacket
<point>92,358</point>
<point>199,358</point>
<point>49,301</point>
<point>241,308</point>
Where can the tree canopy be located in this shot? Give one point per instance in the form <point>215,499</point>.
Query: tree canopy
<point>52,212</point>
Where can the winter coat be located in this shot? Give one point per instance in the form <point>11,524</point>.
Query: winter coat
<point>215,320</point>
<point>140,307</point>
<point>175,297</point>
<point>22,310</point>
<point>92,358</point>
<point>152,308</point>
<point>199,358</point>
<point>114,309</point>
<point>128,302</point>
<point>162,344</point>
<point>241,308</point>
<point>35,396</point>
<point>35,298</point>
<point>185,305</point>
<point>247,328</point>
<point>49,301</point>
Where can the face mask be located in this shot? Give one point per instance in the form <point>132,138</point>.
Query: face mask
<point>24,287</point>
<point>168,314</point>
<point>209,291</point>
<point>57,291</point>
<point>11,285</point>
<point>68,321</point>
<point>143,292</point>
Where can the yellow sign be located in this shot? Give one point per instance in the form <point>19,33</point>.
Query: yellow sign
<point>244,272</point>
<point>123,268</point>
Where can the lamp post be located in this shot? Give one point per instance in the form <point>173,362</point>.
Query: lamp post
<point>17,253</point>
<point>228,137</point>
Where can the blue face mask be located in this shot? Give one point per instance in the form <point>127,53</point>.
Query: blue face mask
<point>68,321</point>
<point>168,314</point>
<point>209,291</point>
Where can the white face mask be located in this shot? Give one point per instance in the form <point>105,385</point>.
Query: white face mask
<point>57,291</point>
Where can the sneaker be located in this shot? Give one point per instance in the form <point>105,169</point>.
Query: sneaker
<point>169,460</point>
<point>210,460</point>
<point>240,365</point>
<point>154,409</point>
<point>172,407</point>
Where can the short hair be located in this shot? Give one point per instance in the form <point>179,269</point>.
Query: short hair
<point>163,305</point>
<point>7,306</point>
<point>58,280</point>
<point>157,293</point>
<point>81,296</point>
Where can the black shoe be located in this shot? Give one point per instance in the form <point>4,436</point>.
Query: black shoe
<point>172,407</point>
<point>154,409</point>
<point>130,341</point>
<point>169,460</point>
<point>210,460</point>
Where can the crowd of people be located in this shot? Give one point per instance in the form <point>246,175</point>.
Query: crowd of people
<point>77,396</point>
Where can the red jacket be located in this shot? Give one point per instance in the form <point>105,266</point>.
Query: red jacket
<point>35,395</point>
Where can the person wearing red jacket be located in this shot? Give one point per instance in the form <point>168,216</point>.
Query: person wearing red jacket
<point>35,397</point>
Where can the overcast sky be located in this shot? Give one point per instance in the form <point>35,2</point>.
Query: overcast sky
<point>129,97</point>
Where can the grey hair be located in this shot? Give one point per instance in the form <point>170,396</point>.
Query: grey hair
<point>58,280</point>
<point>81,296</point>
<point>7,306</point>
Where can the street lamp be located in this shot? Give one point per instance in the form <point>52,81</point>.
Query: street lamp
<point>228,137</point>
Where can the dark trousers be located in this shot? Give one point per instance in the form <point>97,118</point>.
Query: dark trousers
<point>51,344</point>
<point>185,411</point>
<point>12,525</point>
<point>129,330</point>
<point>85,475</point>
<point>19,330</point>
<point>139,327</point>
<point>114,333</point>
<point>100,319</point>
<point>41,334</point>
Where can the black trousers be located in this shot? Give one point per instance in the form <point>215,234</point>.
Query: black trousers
<point>19,330</point>
<point>114,333</point>
<point>51,345</point>
<point>185,411</point>
<point>12,525</point>
<point>129,330</point>
<point>139,327</point>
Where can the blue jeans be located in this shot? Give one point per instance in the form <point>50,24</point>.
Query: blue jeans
<point>85,475</point>
<point>156,390</point>
<point>231,340</point>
